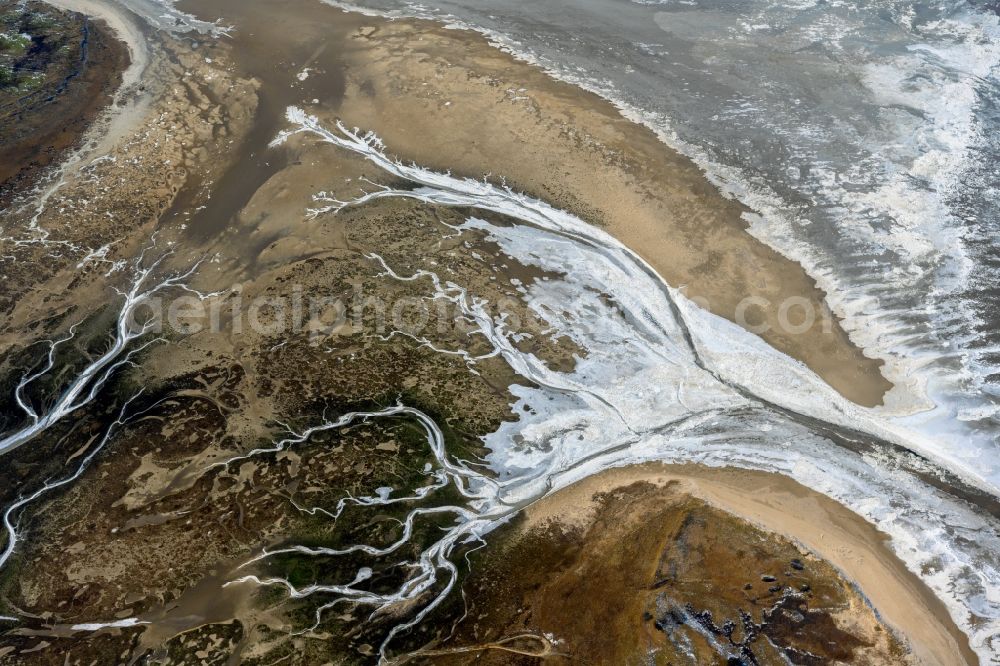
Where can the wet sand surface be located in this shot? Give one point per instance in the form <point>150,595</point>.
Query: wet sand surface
<point>176,120</point>
<point>449,100</point>
<point>275,63</point>
<point>198,169</point>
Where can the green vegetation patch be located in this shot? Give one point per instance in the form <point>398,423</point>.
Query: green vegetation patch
<point>14,44</point>
<point>37,46</point>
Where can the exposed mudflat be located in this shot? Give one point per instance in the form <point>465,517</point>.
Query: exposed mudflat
<point>451,101</point>
<point>319,422</point>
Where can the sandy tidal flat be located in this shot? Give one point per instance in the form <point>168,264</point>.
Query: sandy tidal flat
<point>273,483</point>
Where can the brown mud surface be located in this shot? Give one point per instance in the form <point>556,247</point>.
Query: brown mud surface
<point>154,503</point>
